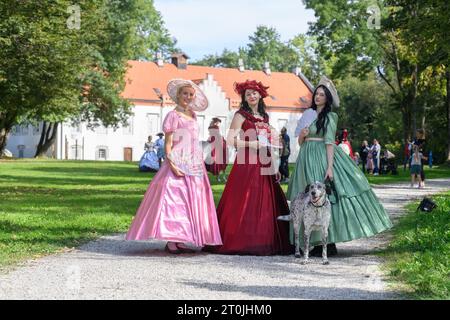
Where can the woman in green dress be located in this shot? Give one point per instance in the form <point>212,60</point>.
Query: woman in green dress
<point>356,211</point>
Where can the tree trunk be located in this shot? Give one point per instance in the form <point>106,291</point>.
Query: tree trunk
<point>407,124</point>
<point>48,137</point>
<point>6,124</point>
<point>3,139</point>
<point>447,76</point>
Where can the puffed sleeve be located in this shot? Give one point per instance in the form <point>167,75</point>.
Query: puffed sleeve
<point>330,135</point>
<point>170,122</point>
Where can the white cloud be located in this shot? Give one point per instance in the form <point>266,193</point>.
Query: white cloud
<point>208,26</point>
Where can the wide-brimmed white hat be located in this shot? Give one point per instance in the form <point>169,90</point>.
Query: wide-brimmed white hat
<point>327,83</point>
<point>200,101</point>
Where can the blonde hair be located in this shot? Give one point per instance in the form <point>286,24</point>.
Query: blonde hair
<point>181,88</point>
<point>420,133</point>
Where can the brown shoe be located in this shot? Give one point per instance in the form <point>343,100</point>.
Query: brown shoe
<point>183,248</point>
<point>173,251</point>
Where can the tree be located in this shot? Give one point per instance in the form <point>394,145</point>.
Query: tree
<point>431,28</point>
<point>344,29</point>
<point>265,46</point>
<point>312,64</point>
<point>364,114</point>
<point>52,72</point>
<point>227,59</point>
<point>39,61</point>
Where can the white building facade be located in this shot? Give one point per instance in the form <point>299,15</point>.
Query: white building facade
<point>127,143</point>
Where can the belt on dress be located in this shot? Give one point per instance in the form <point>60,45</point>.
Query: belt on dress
<point>314,139</point>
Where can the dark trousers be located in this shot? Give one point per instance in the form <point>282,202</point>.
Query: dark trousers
<point>375,165</point>
<point>284,167</point>
<point>364,163</point>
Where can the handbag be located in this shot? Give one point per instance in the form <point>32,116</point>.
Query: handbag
<point>426,205</point>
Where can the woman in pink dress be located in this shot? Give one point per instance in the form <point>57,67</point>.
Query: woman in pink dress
<point>178,206</point>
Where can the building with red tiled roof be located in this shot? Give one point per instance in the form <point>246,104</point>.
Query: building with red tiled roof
<point>146,82</point>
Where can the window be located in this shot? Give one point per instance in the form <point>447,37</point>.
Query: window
<point>101,130</point>
<point>75,128</point>
<point>24,129</point>
<point>37,130</point>
<point>152,123</point>
<point>102,153</point>
<point>15,131</point>
<point>282,123</point>
<point>128,128</point>
<point>76,152</point>
<point>21,150</point>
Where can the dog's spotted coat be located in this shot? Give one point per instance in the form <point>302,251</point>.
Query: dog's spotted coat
<point>312,210</point>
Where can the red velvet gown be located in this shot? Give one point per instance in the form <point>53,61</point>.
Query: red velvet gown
<point>250,205</point>
<point>219,159</point>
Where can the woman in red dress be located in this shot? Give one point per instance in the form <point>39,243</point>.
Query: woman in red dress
<point>217,160</point>
<point>252,199</point>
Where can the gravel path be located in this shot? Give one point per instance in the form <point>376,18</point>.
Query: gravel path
<point>111,268</point>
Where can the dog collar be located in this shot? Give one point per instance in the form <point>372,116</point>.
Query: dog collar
<point>323,203</point>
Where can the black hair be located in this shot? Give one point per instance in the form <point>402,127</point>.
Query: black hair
<point>261,106</point>
<point>322,118</point>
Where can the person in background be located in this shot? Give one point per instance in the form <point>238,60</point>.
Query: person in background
<point>149,160</point>
<point>389,162</point>
<point>416,166</point>
<point>407,155</point>
<point>345,144</point>
<point>430,159</point>
<point>369,164</point>
<point>285,153</point>
<point>376,150</point>
<point>159,145</point>
<point>420,142</point>
<point>357,158</point>
<point>364,151</point>
<point>217,159</point>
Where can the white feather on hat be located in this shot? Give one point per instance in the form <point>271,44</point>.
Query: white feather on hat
<point>327,83</point>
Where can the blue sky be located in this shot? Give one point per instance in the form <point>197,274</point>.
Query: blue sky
<point>208,26</point>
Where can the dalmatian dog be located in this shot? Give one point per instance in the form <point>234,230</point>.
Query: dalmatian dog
<point>312,210</point>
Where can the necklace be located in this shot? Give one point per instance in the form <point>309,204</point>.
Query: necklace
<point>183,111</point>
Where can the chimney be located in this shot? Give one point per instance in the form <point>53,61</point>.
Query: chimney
<point>241,65</point>
<point>267,68</point>
<point>159,59</point>
<point>297,70</point>
<point>180,60</point>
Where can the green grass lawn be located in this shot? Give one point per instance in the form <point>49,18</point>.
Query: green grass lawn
<point>50,205</point>
<point>418,258</point>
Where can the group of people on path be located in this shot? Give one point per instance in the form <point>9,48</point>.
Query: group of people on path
<point>178,206</point>
<point>371,158</point>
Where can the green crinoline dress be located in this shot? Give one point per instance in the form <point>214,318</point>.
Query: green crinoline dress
<point>356,211</point>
